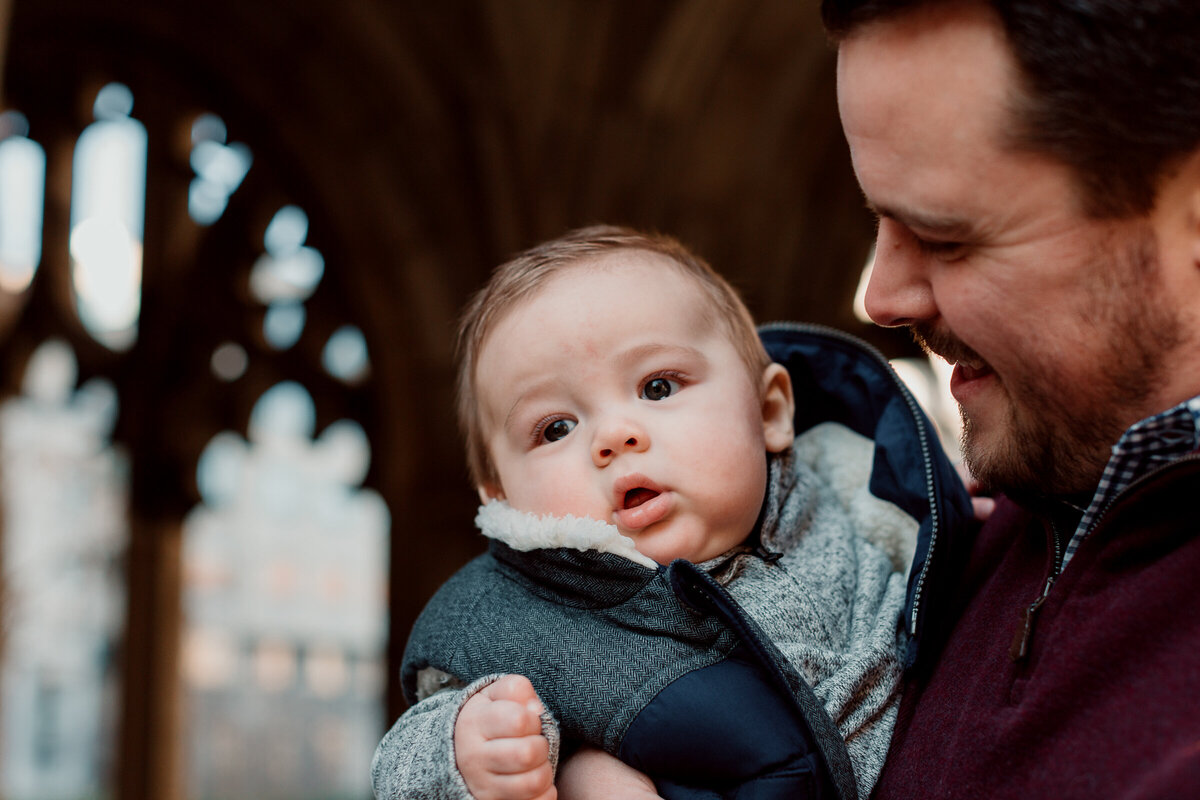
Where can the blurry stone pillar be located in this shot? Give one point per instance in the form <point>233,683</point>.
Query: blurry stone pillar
<point>5,8</point>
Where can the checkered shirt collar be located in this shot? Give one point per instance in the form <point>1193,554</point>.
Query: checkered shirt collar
<point>1151,443</point>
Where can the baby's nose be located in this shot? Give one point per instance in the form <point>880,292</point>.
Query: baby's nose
<point>630,443</point>
<point>621,437</point>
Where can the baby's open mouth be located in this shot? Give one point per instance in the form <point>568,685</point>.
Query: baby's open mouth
<point>635,497</point>
<point>640,503</point>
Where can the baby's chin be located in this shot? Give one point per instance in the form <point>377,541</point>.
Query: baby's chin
<point>667,546</point>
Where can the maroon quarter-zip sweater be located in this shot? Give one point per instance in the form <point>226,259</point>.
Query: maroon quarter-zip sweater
<point>1105,703</point>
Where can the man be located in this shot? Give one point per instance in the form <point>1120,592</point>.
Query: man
<point>1035,167</point>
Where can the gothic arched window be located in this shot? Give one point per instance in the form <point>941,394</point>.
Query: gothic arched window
<point>194,562</point>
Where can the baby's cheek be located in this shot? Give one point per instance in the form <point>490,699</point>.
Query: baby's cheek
<point>740,479</point>
<point>555,494</point>
<point>745,457</point>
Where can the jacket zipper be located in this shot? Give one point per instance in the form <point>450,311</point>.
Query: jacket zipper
<point>922,435</point>
<point>1019,648</point>
<point>748,631</point>
<point>1024,636</point>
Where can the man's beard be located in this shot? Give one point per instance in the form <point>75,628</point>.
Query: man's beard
<point>1058,438</point>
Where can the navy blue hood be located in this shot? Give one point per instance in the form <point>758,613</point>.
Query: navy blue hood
<point>837,377</point>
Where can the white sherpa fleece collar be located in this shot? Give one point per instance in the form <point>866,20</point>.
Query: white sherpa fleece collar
<point>524,531</point>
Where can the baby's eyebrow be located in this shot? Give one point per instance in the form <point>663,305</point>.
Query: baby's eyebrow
<point>650,349</point>
<point>529,392</point>
<point>632,355</point>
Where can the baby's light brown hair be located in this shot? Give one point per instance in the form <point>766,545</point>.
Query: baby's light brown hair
<point>525,273</point>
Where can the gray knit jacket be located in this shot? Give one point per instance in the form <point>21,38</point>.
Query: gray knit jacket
<point>823,581</point>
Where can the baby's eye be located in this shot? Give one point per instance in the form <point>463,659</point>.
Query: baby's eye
<point>558,429</point>
<point>659,388</point>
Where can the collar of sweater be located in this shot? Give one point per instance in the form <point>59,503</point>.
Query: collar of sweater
<point>523,531</point>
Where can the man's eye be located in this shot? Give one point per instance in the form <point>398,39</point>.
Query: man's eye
<point>558,429</point>
<point>659,389</point>
<point>940,249</point>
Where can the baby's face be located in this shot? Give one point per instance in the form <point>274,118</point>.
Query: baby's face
<point>610,394</point>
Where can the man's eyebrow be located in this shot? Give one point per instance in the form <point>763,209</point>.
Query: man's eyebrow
<point>938,225</point>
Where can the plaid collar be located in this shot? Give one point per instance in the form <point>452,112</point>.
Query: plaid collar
<point>1148,444</point>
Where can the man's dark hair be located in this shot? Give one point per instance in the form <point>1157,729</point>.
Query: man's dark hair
<point>1111,87</point>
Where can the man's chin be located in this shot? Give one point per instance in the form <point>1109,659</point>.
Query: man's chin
<point>1025,465</point>
<point>998,463</point>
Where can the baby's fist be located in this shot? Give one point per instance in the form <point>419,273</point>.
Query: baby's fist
<point>498,743</point>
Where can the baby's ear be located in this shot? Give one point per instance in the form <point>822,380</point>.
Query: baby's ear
<point>489,491</point>
<point>778,408</point>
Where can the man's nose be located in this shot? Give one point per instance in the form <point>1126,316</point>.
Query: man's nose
<point>618,436</point>
<point>898,292</point>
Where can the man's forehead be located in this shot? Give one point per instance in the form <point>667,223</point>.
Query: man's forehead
<point>941,60</point>
<point>925,101</point>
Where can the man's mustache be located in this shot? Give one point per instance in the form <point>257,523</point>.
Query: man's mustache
<point>942,343</point>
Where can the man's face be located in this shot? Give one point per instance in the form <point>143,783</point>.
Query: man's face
<point>610,394</point>
<point>1060,327</point>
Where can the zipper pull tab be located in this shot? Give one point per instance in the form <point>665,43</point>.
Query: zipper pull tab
<point>1020,643</point>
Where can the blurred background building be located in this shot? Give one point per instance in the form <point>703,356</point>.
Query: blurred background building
<point>234,237</point>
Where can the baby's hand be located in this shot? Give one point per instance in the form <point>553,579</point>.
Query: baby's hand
<point>499,746</point>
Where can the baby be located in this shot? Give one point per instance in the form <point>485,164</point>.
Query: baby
<point>682,581</point>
